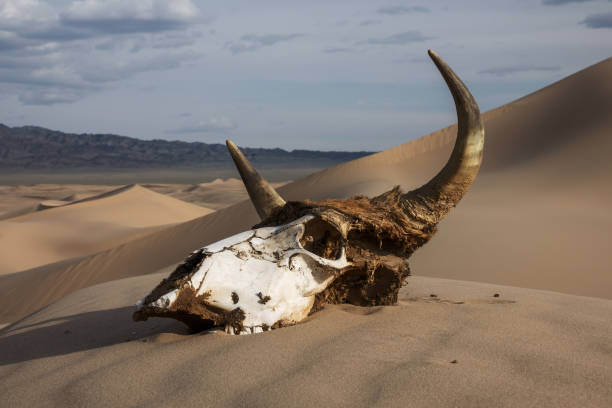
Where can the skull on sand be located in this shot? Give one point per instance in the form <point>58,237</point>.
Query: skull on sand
<point>305,254</point>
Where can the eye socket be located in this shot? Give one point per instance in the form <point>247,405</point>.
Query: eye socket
<point>322,239</point>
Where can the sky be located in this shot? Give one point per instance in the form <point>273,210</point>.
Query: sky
<point>319,74</point>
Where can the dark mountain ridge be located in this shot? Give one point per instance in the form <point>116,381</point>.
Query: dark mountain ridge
<point>32,147</point>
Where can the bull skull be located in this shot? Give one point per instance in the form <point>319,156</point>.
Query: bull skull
<point>305,254</point>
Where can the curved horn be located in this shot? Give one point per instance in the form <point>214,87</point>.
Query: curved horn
<point>432,201</point>
<point>265,199</point>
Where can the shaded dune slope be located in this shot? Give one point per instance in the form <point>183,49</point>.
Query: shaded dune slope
<point>535,217</point>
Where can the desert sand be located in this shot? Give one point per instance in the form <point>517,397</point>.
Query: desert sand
<point>219,193</point>
<point>23,199</point>
<point>534,229</point>
<point>16,200</point>
<point>461,348</point>
<point>77,228</point>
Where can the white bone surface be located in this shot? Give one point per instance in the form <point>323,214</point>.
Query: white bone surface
<point>269,262</point>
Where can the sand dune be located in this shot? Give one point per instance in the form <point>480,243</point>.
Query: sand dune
<point>89,225</point>
<point>537,215</point>
<point>216,194</point>
<point>463,347</point>
<point>23,199</point>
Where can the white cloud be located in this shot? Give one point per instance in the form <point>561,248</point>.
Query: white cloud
<point>17,12</point>
<point>21,17</point>
<point>43,46</point>
<point>88,10</point>
<point>131,16</point>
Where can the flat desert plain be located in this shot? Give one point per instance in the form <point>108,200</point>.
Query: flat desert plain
<point>510,304</point>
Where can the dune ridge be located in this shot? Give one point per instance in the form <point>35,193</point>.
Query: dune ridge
<point>16,200</point>
<point>219,193</point>
<point>87,226</point>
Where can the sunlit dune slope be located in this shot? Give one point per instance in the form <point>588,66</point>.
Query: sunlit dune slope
<point>216,194</point>
<point>537,215</point>
<point>16,200</point>
<point>87,226</point>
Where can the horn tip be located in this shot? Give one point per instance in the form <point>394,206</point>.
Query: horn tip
<point>231,146</point>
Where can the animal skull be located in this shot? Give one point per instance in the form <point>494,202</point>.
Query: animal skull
<point>266,273</point>
<point>305,254</point>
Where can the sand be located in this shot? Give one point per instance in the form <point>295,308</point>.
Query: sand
<point>219,193</point>
<point>464,347</point>
<point>537,218</point>
<point>87,226</point>
<point>16,200</point>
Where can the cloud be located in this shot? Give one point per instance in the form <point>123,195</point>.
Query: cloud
<point>34,72</point>
<point>121,16</point>
<point>58,33</point>
<point>398,10</point>
<point>14,13</point>
<point>9,41</point>
<point>561,2</point>
<point>216,124</point>
<point>63,68</point>
<point>253,42</point>
<point>24,18</point>
<point>49,96</point>
<point>602,20</point>
<point>36,20</point>
<point>404,38</point>
<point>105,70</point>
<point>43,46</point>
<point>365,23</point>
<point>514,69</point>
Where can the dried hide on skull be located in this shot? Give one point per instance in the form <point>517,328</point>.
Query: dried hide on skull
<point>305,254</point>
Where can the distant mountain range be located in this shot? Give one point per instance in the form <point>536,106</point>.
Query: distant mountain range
<point>32,147</point>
